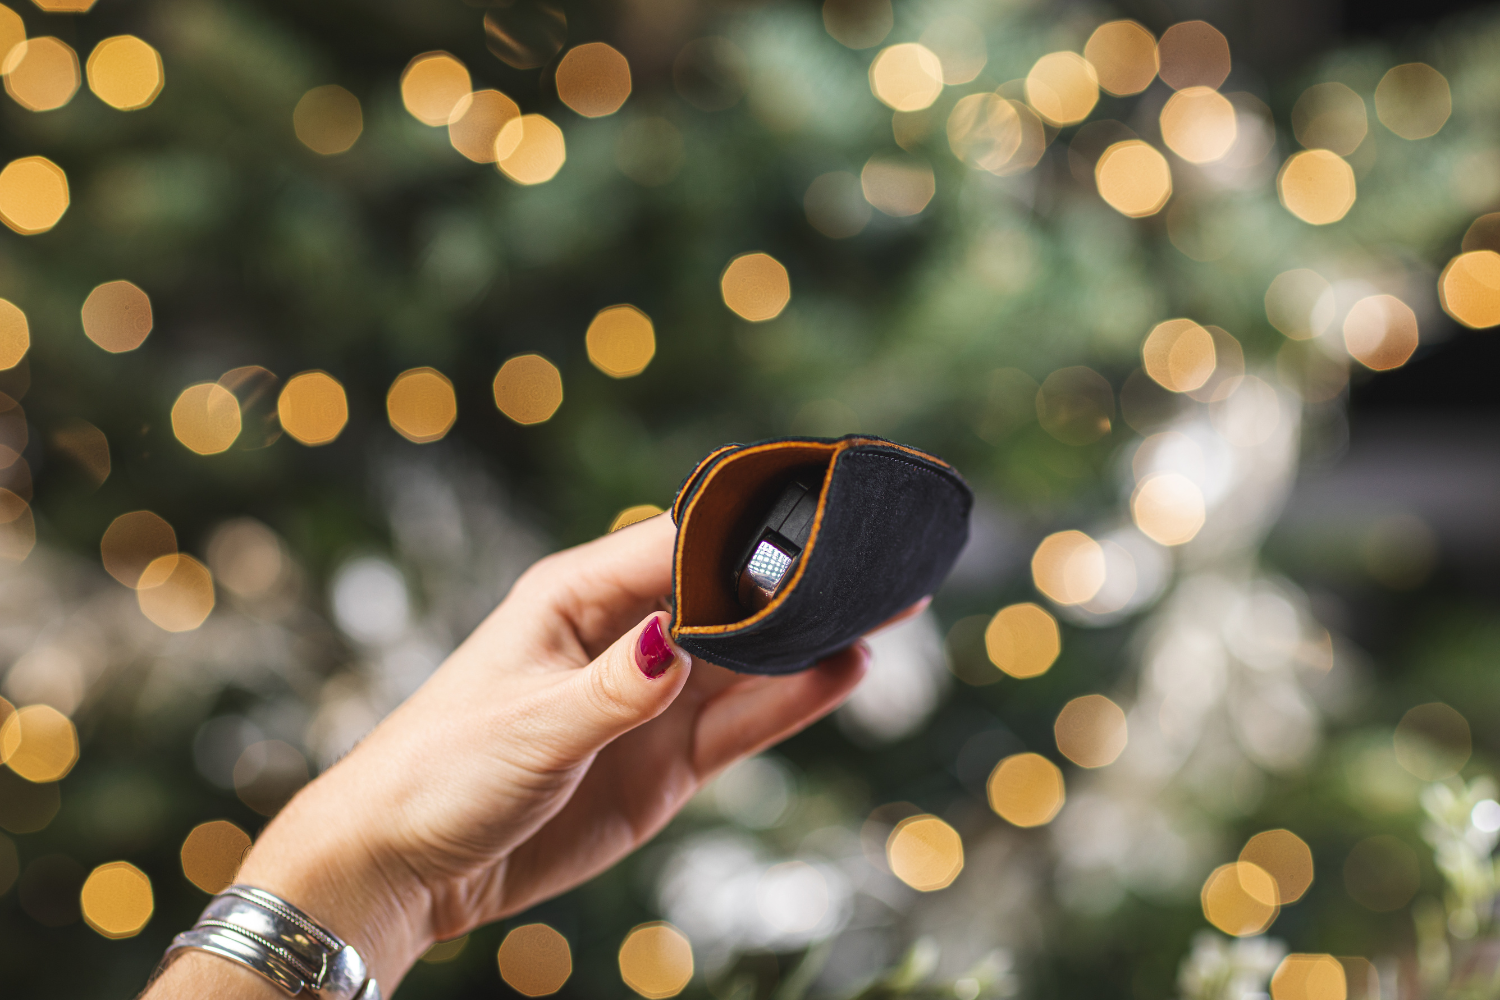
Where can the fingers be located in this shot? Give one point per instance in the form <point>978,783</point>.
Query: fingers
<point>752,715</point>
<point>631,682</point>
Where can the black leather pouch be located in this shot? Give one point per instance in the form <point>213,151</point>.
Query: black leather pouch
<point>889,524</point>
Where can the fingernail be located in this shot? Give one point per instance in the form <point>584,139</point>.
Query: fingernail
<point>653,654</point>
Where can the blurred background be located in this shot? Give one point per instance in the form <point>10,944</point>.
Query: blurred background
<point>321,322</point>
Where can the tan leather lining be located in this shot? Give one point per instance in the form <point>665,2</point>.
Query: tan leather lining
<point>688,482</point>
<point>709,521</point>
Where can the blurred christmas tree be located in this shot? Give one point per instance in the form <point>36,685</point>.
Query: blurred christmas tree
<point>319,325</point>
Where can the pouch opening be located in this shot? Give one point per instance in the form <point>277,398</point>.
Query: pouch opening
<point>719,519</point>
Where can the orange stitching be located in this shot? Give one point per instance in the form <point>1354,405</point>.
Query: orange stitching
<point>677,507</point>
<point>812,537</point>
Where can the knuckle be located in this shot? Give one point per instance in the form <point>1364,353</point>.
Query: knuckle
<point>610,693</point>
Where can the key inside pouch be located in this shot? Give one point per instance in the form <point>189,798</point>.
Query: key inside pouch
<point>776,544</point>
<point>729,543</point>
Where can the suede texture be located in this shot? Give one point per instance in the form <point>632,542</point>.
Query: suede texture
<point>890,525</point>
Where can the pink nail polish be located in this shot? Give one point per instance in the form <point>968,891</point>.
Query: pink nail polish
<point>653,654</point>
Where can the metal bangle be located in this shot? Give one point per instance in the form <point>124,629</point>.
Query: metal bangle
<point>271,937</point>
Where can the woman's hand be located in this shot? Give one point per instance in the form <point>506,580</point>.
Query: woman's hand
<point>564,733</point>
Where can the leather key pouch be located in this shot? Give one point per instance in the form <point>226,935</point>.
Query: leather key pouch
<point>888,525</point>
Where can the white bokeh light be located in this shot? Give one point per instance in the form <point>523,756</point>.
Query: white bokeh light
<point>370,602</point>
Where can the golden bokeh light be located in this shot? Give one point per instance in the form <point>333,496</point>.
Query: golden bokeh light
<point>41,74</point>
<point>432,85</point>
<point>1293,303</point>
<point>858,24</point>
<point>925,853</point>
<point>1179,355</point>
<point>421,405</point>
<point>899,187</point>
<point>906,77</point>
<point>1433,741</point>
<point>1168,508</point>
<point>1062,88</point>
<point>1330,116</point>
<point>1286,858</point>
<point>1091,731</point>
<point>1382,873</point>
<point>125,72</point>
<point>1193,54</point>
<point>835,205</point>
<point>1023,640</point>
<point>1026,790</point>
<point>1198,124</point>
<point>755,287</point>
<point>1068,566</point>
<point>593,79</point>
<point>1123,54</point>
<point>477,122</point>
<point>1309,977</point>
<point>117,316</point>
<point>116,900</point>
<point>212,853</point>
<point>1469,289</point>
<point>328,119</point>
<point>1380,332</point>
<point>528,389</point>
<point>1133,178</point>
<point>959,45</point>
<point>984,130</point>
<point>206,418</point>
<point>313,408</point>
<point>535,960</point>
<point>65,6</point>
<point>621,341</point>
<point>1413,100</point>
<point>1316,186</point>
<point>39,743</point>
<point>12,31</point>
<point>15,334</point>
<point>530,149</point>
<point>1240,899</point>
<point>175,592</point>
<point>132,542</point>
<point>631,515</point>
<point>33,194</point>
<point>656,960</point>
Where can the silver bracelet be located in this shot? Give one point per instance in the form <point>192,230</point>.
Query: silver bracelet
<point>272,937</point>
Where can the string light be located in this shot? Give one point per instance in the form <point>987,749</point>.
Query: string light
<point>593,79</point>
<point>528,389</point>
<point>1123,54</point>
<point>33,194</point>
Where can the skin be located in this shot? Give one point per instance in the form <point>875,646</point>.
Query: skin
<point>538,755</point>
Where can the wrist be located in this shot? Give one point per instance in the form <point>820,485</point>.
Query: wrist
<point>334,867</point>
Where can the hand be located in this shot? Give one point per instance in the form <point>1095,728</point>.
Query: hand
<point>563,734</point>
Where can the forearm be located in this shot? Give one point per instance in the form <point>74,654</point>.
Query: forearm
<point>325,867</point>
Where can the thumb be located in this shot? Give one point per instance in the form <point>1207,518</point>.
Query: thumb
<point>631,682</point>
